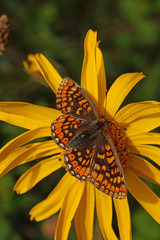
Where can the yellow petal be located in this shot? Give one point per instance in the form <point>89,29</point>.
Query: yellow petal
<point>69,207</point>
<point>144,169</point>
<point>36,173</point>
<point>23,139</point>
<point>54,201</point>
<point>104,213</point>
<point>144,138</point>
<point>143,194</point>
<point>150,152</point>
<point>133,111</point>
<point>28,153</point>
<point>145,124</point>
<point>85,214</point>
<point>27,115</point>
<point>101,78</point>
<point>50,74</point>
<point>124,219</point>
<point>89,74</point>
<point>120,89</point>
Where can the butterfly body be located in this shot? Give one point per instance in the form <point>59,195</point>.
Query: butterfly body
<point>89,150</point>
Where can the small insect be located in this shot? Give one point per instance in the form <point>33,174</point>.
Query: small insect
<point>81,131</point>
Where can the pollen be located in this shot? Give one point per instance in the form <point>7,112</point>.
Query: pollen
<point>118,136</point>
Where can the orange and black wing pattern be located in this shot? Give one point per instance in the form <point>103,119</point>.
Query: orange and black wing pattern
<point>78,161</point>
<point>106,171</point>
<point>72,99</point>
<point>66,128</point>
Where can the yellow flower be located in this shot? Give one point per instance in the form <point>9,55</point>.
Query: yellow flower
<point>76,199</point>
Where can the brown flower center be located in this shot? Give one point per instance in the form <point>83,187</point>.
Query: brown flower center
<point>117,133</point>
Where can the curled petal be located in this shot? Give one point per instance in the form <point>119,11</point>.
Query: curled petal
<point>84,215</point>
<point>27,115</point>
<point>33,68</point>
<point>120,89</point>
<point>104,213</point>
<point>143,194</point>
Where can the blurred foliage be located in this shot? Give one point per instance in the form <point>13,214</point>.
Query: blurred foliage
<point>129,31</point>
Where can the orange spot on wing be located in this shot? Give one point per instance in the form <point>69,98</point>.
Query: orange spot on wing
<point>80,159</point>
<point>57,131</point>
<point>101,156</point>
<point>81,172</point>
<point>94,174</point>
<point>97,167</point>
<point>77,169</point>
<point>65,141</point>
<point>110,159</point>
<point>105,182</point>
<point>118,179</point>
<point>73,89</point>
<point>100,177</point>
<point>74,164</point>
<point>107,174</point>
<point>71,156</point>
<point>109,186</point>
<point>61,135</point>
<point>112,188</point>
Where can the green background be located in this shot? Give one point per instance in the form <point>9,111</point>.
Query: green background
<point>129,31</point>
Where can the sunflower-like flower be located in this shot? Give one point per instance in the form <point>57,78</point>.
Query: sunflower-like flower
<point>130,131</point>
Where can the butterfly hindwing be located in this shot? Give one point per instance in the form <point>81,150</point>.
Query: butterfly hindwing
<point>71,98</point>
<point>106,171</point>
<point>78,161</point>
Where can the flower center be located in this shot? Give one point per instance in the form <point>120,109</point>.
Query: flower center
<point>118,136</point>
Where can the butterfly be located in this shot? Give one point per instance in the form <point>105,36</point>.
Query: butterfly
<point>81,131</point>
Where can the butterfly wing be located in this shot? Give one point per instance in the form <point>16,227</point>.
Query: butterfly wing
<point>72,99</point>
<point>79,160</point>
<point>106,171</point>
<point>70,132</point>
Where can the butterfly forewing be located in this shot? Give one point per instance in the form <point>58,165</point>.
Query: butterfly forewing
<point>72,99</point>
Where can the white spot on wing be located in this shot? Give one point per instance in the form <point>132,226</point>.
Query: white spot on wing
<point>61,145</point>
<point>56,140</point>
<point>71,172</point>
<point>84,178</point>
<point>66,159</point>
<point>68,166</point>
<point>53,134</point>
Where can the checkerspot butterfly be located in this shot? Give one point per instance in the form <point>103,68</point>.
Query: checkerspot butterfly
<point>90,153</point>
